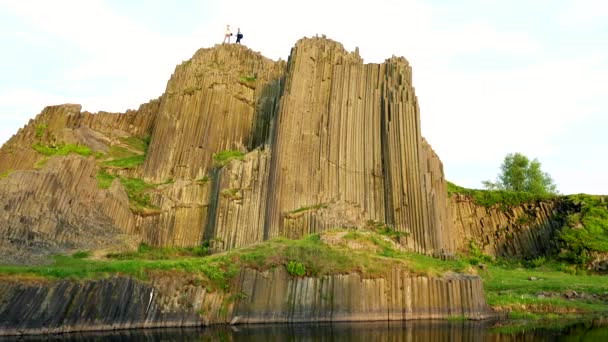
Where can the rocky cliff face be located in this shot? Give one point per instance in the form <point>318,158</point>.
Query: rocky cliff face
<point>524,231</point>
<point>35,306</point>
<point>330,142</point>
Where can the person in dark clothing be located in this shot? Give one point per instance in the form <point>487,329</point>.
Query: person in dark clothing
<point>239,36</point>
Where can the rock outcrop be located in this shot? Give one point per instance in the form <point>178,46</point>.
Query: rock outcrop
<point>331,142</point>
<point>350,132</point>
<point>59,209</point>
<point>524,231</point>
<point>35,306</point>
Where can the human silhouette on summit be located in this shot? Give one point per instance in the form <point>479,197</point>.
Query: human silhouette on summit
<point>239,36</point>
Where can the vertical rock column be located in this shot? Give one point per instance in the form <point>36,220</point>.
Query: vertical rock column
<point>241,202</point>
<point>414,181</point>
<point>326,143</point>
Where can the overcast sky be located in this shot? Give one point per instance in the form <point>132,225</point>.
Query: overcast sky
<point>492,76</point>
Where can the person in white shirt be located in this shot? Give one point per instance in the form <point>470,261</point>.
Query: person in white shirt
<point>227,34</point>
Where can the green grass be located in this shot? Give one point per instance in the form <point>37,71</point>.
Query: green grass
<point>137,189</point>
<point>219,270</point>
<point>508,286</point>
<point>62,149</point>
<point>125,158</point>
<point>222,158</point>
<point>81,254</point>
<point>376,259</point>
<point>104,179</point>
<point>137,143</point>
<point>504,199</point>
<point>126,163</point>
<point>146,252</point>
<point>249,79</point>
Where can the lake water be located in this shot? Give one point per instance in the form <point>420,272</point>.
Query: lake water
<point>596,330</point>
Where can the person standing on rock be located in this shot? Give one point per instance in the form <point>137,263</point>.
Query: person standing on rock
<point>228,34</point>
<point>239,36</point>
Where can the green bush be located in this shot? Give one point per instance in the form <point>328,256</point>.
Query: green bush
<point>41,130</point>
<point>536,262</point>
<point>585,230</point>
<point>296,269</point>
<point>81,255</point>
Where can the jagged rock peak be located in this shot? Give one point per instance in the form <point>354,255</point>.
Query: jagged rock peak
<point>325,49</point>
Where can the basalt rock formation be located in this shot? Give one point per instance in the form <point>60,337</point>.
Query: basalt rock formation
<point>524,231</point>
<point>329,142</point>
<point>272,296</point>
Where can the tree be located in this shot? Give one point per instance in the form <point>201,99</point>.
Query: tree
<point>518,173</point>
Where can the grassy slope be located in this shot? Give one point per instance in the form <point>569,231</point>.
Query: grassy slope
<point>507,286</point>
<point>375,258</point>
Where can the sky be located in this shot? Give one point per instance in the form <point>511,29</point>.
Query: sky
<point>492,77</point>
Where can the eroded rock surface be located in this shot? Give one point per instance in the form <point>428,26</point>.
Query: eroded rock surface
<point>37,306</point>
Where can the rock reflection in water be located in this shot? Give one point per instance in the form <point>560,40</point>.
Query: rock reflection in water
<point>365,332</point>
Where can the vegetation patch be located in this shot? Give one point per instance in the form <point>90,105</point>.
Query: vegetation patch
<point>585,231</point>
<point>249,79</point>
<point>146,252</point>
<point>232,194</point>
<point>41,130</point>
<point>296,269</point>
<point>385,229</point>
<point>137,189</point>
<point>81,254</point>
<point>104,179</point>
<point>203,180</point>
<point>539,291</point>
<point>62,149</point>
<point>127,158</point>
<point>218,270</point>
<point>503,198</point>
<point>125,163</point>
<point>544,289</point>
<point>307,208</point>
<point>137,143</point>
<point>222,158</point>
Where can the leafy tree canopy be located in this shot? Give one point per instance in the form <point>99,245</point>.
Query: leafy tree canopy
<point>518,173</point>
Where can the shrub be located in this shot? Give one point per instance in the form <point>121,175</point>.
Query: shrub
<point>41,129</point>
<point>81,255</point>
<point>296,269</point>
